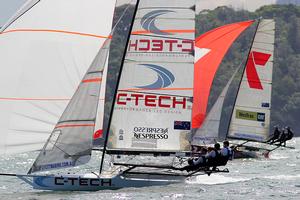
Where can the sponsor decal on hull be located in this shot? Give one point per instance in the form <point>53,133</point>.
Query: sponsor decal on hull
<point>57,165</point>
<point>77,181</point>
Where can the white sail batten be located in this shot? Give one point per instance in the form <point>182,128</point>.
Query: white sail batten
<point>154,98</point>
<point>46,49</point>
<point>208,133</point>
<point>250,119</point>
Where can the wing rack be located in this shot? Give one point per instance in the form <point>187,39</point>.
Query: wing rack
<point>172,171</point>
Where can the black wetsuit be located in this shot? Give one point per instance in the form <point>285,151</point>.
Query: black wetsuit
<point>275,136</point>
<point>282,138</point>
<point>289,134</point>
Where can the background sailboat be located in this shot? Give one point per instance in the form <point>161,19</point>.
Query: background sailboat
<point>250,118</point>
<point>211,48</point>
<point>255,82</point>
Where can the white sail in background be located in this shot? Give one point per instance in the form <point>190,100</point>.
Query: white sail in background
<point>154,99</point>
<point>45,49</point>
<point>250,119</point>
<point>208,133</point>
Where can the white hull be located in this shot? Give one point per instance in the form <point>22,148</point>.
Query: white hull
<point>91,182</point>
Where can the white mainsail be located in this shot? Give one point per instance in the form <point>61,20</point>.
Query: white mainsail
<point>250,119</point>
<point>153,104</point>
<point>45,49</point>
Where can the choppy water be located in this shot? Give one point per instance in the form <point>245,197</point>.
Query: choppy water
<point>274,178</point>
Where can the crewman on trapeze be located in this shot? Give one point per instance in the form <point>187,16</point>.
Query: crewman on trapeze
<point>281,137</point>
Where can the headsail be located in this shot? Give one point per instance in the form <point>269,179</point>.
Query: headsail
<point>210,48</point>
<point>153,106</point>
<point>208,133</point>
<point>250,119</point>
<point>70,143</point>
<point>44,61</point>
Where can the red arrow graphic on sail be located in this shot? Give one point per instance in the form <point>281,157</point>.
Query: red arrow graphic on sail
<point>255,59</point>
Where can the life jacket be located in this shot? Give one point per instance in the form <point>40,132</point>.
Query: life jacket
<point>229,154</point>
<point>215,160</point>
<point>224,159</point>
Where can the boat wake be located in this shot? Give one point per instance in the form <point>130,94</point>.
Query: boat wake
<point>283,177</point>
<point>215,179</point>
<point>277,157</point>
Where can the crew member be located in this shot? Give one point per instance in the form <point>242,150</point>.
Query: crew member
<point>226,152</point>
<point>282,138</point>
<point>194,164</point>
<point>208,159</point>
<point>289,133</point>
<point>276,135</point>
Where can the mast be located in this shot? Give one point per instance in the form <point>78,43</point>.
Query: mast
<point>117,85</point>
<point>240,82</point>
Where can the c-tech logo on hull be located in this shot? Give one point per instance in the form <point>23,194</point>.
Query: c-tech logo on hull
<point>148,21</point>
<point>164,77</point>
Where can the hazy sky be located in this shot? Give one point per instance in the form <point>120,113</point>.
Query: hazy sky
<point>236,4</point>
<point>9,7</point>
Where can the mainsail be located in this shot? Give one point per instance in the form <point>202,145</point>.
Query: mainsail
<point>250,118</point>
<point>153,104</point>
<point>210,48</point>
<point>45,50</point>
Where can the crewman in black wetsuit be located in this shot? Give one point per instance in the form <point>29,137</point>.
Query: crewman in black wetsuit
<point>276,135</point>
<point>282,138</point>
<point>289,133</point>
